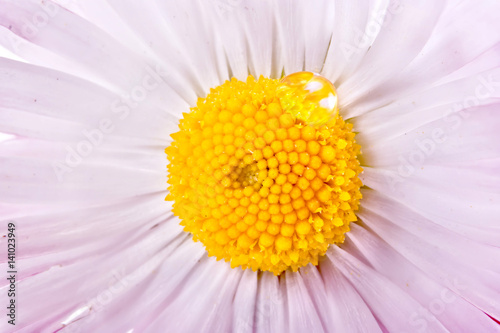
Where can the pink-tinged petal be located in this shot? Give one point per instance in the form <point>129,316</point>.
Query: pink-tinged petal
<point>49,304</point>
<point>457,136</point>
<point>207,311</point>
<point>245,299</point>
<point>302,314</point>
<point>315,287</point>
<point>69,236</point>
<point>471,211</point>
<point>474,279</point>
<point>146,154</point>
<point>344,307</point>
<point>83,43</point>
<point>194,66</point>
<point>198,47</point>
<point>271,308</point>
<point>51,105</point>
<point>396,315</point>
<point>463,35</point>
<point>22,50</point>
<point>33,181</point>
<point>30,125</point>
<point>92,53</point>
<point>403,33</point>
<point>102,15</point>
<point>142,289</point>
<point>449,308</point>
<point>437,103</point>
<point>449,239</point>
<point>101,230</point>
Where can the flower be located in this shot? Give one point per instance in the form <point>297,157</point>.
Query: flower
<point>100,88</point>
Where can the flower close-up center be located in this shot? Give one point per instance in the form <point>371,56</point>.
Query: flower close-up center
<point>265,172</point>
<point>273,166</point>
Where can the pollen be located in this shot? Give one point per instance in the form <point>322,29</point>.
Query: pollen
<point>264,173</point>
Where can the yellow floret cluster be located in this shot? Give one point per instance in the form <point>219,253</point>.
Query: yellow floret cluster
<point>257,186</point>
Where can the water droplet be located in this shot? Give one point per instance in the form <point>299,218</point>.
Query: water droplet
<point>310,97</point>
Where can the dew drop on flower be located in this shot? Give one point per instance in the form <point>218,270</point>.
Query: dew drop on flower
<point>310,97</point>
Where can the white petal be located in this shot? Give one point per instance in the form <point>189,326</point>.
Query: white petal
<point>306,31</point>
<point>346,50</point>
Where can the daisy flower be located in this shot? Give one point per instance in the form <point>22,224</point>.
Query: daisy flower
<point>250,166</point>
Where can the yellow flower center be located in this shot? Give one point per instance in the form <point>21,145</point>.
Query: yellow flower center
<point>265,173</point>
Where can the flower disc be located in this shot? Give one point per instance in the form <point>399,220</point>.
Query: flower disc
<point>256,182</point>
